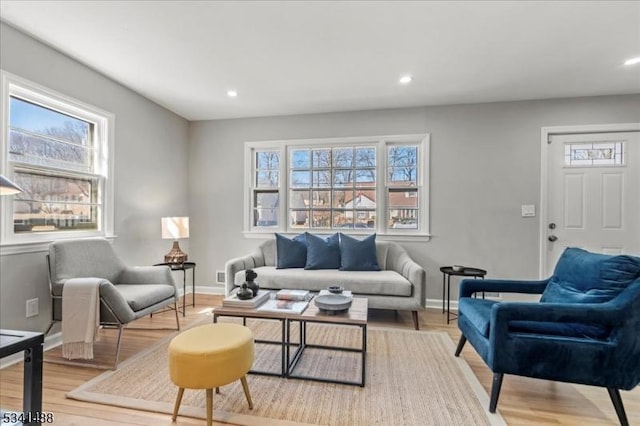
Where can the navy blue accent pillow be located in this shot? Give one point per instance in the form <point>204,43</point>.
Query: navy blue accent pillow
<point>323,253</point>
<point>291,253</point>
<point>358,255</point>
<point>584,277</point>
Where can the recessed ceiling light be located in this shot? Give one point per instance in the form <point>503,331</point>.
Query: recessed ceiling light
<point>232,93</point>
<point>633,61</point>
<point>405,79</point>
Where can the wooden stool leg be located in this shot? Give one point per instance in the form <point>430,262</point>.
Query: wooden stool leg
<point>177,406</point>
<point>209,407</point>
<point>245,386</point>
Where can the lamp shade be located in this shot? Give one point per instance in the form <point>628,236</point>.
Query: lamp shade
<point>175,227</point>
<point>7,187</point>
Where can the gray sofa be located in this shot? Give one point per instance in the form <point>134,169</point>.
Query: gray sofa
<point>399,285</point>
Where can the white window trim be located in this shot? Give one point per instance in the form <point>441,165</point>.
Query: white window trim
<point>11,243</point>
<point>381,142</point>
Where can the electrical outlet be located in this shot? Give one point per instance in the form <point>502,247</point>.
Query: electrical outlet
<point>220,277</point>
<point>33,307</point>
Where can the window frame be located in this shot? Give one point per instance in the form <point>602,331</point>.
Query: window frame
<point>103,123</point>
<point>381,144</point>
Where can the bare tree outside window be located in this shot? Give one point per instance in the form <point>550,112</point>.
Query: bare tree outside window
<point>44,143</point>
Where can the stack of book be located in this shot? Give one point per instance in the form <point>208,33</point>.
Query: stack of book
<point>232,300</point>
<point>295,295</point>
<point>284,306</point>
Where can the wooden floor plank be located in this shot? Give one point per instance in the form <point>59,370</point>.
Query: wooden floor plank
<point>523,401</point>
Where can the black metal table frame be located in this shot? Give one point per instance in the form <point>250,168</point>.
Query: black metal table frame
<point>447,272</point>
<point>292,361</point>
<point>282,343</point>
<point>184,267</point>
<point>31,343</point>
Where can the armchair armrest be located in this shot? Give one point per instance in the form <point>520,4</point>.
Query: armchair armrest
<point>146,275</point>
<point>112,298</point>
<point>233,266</point>
<point>605,314</point>
<point>469,287</point>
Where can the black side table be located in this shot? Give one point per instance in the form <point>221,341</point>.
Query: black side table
<point>14,341</point>
<point>447,272</point>
<point>184,267</point>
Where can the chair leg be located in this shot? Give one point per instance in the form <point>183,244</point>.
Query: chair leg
<point>245,387</point>
<point>209,407</point>
<point>176,407</point>
<point>617,404</point>
<point>495,391</point>
<point>461,343</point>
<point>415,320</point>
<point>50,327</point>
<point>177,317</point>
<point>120,328</point>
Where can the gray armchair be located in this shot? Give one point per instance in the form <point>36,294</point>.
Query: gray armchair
<point>126,293</point>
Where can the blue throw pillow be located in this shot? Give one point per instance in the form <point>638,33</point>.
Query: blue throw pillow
<point>584,277</point>
<point>358,255</point>
<point>291,253</point>
<point>323,253</point>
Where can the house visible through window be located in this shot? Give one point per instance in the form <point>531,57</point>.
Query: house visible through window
<point>56,151</point>
<point>374,184</point>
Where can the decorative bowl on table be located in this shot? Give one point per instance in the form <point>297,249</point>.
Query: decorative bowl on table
<point>335,289</point>
<point>457,268</point>
<point>332,304</point>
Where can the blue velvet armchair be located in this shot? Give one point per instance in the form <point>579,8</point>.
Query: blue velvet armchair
<point>585,329</point>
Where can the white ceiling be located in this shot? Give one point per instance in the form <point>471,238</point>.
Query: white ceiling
<point>306,57</point>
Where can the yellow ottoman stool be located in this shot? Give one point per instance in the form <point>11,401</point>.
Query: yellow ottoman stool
<point>210,356</point>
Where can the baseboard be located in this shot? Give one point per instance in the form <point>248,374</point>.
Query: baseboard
<point>214,289</point>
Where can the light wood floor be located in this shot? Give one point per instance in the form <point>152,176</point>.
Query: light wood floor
<point>523,401</point>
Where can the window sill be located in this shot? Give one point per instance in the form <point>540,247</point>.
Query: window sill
<point>385,237</point>
<point>40,246</point>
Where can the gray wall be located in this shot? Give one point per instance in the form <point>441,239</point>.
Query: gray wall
<point>150,170</point>
<point>485,163</point>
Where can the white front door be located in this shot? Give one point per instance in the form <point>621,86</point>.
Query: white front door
<point>593,194</point>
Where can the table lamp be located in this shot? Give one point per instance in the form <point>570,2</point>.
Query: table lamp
<point>175,228</point>
<point>7,187</point>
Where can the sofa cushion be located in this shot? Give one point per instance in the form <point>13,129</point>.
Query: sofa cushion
<point>141,296</point>
<point>358,255</point>
<point>584,277</point>
<point>323,253</point>
<point>291,253</point>
<point>478,312</point>
<point>385,283</point>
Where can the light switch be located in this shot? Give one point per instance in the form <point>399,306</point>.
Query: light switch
<point>528,210</point>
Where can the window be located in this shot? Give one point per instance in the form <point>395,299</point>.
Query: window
<point>56,149</point>
<point>373,184</point>
<point>594,154</point>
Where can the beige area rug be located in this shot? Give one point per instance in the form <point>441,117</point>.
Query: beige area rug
<point>412,378</point>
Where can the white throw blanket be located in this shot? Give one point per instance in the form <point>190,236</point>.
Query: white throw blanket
<point>80,317</point>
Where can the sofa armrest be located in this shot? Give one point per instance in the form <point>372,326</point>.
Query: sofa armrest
<point>111,297</point>
<point>146,275</point>
<point>415,274</point>
<point>233,266</point>
<point>468,286</point>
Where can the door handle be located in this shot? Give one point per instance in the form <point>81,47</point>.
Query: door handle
<point>552,238</point>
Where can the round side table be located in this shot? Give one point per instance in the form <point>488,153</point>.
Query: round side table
<point>447,272</point>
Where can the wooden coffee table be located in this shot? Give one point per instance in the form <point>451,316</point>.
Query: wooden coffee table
<point>356,316</point>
